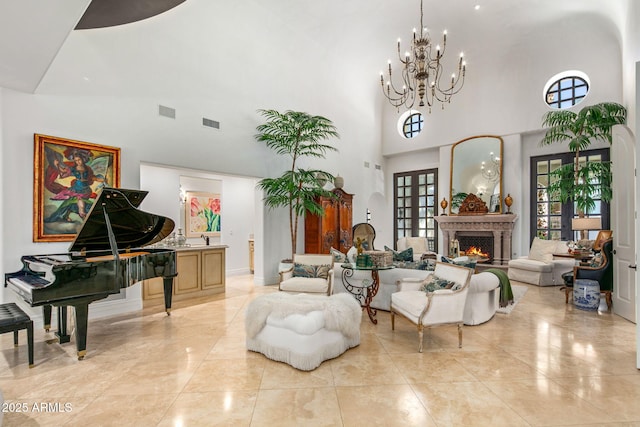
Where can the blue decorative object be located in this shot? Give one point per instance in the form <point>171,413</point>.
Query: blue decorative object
<point>586,294</point>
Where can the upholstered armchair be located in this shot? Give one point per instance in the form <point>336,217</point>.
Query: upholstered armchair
<point>420,246</point>
<point>439,307</point>
<point>311,273</point>
<point>602,273</point>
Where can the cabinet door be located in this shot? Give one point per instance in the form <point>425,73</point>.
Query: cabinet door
<point>189,272</point>
<point>329,226</point>
<point>153,288</point>
<point>345,223</point>
<point>213,269</point>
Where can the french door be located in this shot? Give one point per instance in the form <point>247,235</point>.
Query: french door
<point>550,218</point>
<point>415,196</point>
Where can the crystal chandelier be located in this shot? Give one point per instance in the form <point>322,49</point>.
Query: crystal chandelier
<point>492,171</point>
<point>422,72</point>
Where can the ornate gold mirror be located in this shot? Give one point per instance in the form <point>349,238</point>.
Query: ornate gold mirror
<point>476,168</point>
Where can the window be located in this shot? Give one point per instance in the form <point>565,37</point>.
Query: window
<point>410,124</point>
<point>550,218</point>
<point>566,89</point>
<point>415,197</point>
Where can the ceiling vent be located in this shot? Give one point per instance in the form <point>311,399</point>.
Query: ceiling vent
<point>167,111</point>
<point>210,123</point>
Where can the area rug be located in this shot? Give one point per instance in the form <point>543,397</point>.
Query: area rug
<point>518,292</point>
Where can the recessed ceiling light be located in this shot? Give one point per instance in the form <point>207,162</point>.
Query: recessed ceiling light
<point>477,7</point>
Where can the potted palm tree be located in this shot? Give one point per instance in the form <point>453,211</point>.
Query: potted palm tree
<point>582,182</point>
<point>296,135</point>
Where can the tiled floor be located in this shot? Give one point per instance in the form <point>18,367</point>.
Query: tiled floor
<point>545,364</point>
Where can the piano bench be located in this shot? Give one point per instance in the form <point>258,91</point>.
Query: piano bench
<point>12,319</point>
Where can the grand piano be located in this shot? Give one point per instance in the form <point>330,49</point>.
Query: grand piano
<point>108,254</point>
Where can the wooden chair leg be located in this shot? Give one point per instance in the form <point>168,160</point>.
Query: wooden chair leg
<point>420,336</point>
<point>393,321</point>
<point>608,298</point>
<point>459,335</point>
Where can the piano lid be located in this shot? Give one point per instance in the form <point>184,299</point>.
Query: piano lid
<point>132,228</point>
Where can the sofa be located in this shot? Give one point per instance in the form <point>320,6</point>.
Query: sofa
<point>542,266</point>
<point>482,299</point>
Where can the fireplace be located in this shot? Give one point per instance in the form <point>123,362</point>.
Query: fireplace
<point>481,241</point>
<point>491,232</point>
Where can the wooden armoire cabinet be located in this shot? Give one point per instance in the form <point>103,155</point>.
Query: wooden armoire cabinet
<point>333,229</point>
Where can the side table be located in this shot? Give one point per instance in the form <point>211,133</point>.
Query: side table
<point>364,293</point>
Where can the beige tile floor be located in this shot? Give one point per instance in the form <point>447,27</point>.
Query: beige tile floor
<point>545,364</point>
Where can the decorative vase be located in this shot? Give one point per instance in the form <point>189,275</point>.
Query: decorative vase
<point>171,240</point>
<point>508,201</point>
<point>586,294</point>
<point>321,179</point>
<point>443,205</point>
<point>338,181</point>
<point>181,239</point>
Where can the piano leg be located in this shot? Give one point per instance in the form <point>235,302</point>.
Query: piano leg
<point>82,319</point>
<point>46,317</point>
<point>62,335</point>
<point>168,292</point>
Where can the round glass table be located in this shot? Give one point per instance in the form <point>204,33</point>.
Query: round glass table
<point>364,292</point>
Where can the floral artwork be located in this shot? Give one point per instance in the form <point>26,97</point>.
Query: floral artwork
<point>202,214</point>
<point>68,175</point>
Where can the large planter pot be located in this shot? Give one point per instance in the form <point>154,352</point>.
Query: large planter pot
<point>586,294</point>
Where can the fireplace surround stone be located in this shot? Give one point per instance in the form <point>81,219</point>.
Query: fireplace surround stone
<point>499,226</point>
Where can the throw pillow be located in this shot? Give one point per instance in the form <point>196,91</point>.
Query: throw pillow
<point>433,283</point>
<point>597,261</point>
<point>406,255</point>
<point>311,271</point>
<point>542,250</point>
<point>337,255</point>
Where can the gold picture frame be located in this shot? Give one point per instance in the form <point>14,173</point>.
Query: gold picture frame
<point>67,175</point>
<point>202,214</point>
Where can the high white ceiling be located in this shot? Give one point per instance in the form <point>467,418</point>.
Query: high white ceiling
<point>360,34</point>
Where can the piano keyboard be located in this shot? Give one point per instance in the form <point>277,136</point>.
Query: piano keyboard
<point>29,281</point>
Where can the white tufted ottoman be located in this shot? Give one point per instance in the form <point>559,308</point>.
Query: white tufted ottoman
<point>303,330</point>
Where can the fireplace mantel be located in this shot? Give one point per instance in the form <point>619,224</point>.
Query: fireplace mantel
<point>500,225</point>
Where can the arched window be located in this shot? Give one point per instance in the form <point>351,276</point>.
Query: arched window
<point>566,89</point>
<point>410,123</point>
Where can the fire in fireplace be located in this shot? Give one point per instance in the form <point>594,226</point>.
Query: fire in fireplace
<point>477,245</point>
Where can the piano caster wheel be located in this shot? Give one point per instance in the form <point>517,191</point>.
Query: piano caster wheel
<point>81,354</point>
<point>168,312</point>
<point>47,328</point>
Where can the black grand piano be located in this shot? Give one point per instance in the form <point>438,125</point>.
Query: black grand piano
<point>107,254</point>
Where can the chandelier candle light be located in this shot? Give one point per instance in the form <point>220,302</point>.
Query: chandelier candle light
<point>421,67</point>
<point>493,172</point>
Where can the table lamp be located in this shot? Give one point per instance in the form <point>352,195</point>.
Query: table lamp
<point>585,224</point>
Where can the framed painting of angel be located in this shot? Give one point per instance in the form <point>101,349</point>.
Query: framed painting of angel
<point>67,176</point>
